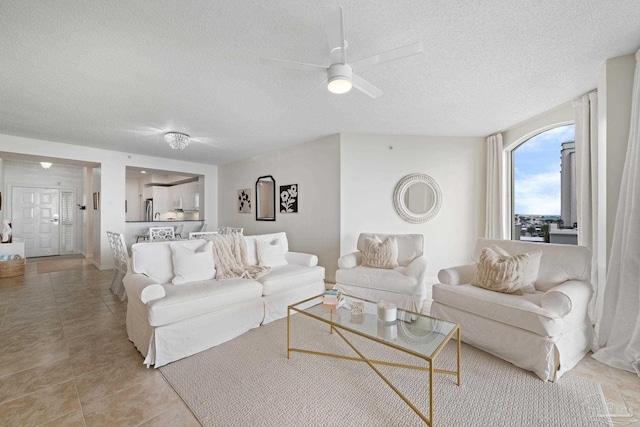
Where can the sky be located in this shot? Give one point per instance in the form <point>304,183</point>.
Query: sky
<point>536,166</point>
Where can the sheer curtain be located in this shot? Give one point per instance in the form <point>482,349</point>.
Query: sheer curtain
<point>620,325</point>
<point>586,138</point>
<point>496,222</point>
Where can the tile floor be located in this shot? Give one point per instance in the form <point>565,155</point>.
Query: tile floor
<point>65,359</point>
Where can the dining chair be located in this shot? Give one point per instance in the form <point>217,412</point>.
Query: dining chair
<point>229,230</point>
<point>157,234</point>
<point>121,263</point>
<point>198,234</point>
<point>142,236</point>
<point>178,230</point>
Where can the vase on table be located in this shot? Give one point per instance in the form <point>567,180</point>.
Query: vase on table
<point>6,231</point>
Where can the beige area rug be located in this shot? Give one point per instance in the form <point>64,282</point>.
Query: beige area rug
<point>250,382</point>
<point>62,264</point>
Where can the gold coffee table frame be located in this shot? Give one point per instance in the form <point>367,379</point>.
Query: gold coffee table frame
<point>430,359</point>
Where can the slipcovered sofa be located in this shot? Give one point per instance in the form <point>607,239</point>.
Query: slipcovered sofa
<point>168,321</point>
<point>547,332</point>
<point>404,285</point>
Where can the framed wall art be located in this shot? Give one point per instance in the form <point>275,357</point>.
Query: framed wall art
<point>289,198</point>
<point>244,200</point>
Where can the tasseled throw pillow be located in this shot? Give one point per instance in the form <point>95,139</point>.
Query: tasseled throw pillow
<point>501,273</point>
<point>379,254</point>
<point>530,271</point>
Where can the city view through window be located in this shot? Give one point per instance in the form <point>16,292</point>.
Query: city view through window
<point>544,191</point>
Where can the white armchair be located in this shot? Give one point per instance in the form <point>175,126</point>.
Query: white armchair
<point>404,285</point>
<point>547,332</point>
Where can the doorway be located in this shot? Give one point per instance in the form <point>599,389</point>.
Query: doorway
<point>35,218</point>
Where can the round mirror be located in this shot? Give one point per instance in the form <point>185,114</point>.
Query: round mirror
<point>417,198</point>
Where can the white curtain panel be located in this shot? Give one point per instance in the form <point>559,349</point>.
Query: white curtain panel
<point>496,221</point>
<point>620,325</point>
<point>586,139</point>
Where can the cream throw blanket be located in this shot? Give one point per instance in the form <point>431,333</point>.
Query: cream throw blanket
<point>230,256</point>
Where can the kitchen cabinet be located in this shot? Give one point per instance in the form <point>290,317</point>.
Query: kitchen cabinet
<point>188,193</point>
<point>160,200</point>
<point>191,197</point>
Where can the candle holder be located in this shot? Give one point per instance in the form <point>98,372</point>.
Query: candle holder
<point>357,312</point>
<point>357,308</point>
<point>387,311</point>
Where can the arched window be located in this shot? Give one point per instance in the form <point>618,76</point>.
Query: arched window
<point>544,187</point>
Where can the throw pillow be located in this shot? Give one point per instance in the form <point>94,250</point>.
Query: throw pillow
<point>379,254</point>
<point>530,269</point>
<point>270,254</point>
<point>192,264</point>
<point>498,273</point>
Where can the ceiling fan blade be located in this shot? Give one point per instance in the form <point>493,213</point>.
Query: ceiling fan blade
<point>334,28</point>
<point>365,87</point>
<point>322,82</point>
<point>390,55</point>
<point>293,65</point>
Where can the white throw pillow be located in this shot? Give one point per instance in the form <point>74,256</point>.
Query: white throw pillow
<point>530,267</point>
<point>500,273</point>
<point>270,254</point>
<point>192,264</point>
<point>379,254</point>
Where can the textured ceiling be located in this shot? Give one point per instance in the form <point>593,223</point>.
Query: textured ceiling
<point>119,74</point>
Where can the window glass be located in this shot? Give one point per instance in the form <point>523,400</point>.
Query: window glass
<point>544,190</point>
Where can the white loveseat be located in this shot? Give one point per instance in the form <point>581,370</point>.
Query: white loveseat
<point>547,332</point>
<point>167,322</point>
<point>405,285</point>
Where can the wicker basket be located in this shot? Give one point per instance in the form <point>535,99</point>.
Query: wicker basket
<point>12,268</point>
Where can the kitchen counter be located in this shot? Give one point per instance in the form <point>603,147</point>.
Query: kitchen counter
<point>164,220</point>
<point>135,228</point>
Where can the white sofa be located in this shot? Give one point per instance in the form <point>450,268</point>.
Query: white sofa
<point>405,285</point>
<point>167,322</point>
<point>547,332</point>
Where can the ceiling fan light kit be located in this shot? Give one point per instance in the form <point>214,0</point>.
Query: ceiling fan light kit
<point>177,140</point>
<point>339,75</point>
<point>339,78</point>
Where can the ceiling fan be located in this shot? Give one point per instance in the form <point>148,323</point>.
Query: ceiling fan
<point>340,77</point>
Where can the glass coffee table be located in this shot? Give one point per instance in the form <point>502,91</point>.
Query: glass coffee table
<point>416,334</point>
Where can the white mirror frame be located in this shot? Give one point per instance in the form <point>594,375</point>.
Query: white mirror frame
<point>401,206</point>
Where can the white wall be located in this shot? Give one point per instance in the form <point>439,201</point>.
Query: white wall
<point>112,182</point>
<point>370,170</point>
<point>133,200</point>
<point>315,167</point>
<point>346,187</point>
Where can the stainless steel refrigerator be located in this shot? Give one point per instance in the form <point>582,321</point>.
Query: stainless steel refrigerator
<point>148,210</point>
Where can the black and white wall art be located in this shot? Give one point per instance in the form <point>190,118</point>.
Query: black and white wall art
<point>289,198</point>
<point>244,200</point>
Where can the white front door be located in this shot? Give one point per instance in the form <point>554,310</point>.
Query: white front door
<point>35,218</point>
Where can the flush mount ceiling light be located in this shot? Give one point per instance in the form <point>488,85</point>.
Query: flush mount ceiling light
<point>176,140</point>
<point>339,78</point>
<point>46,165</point>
